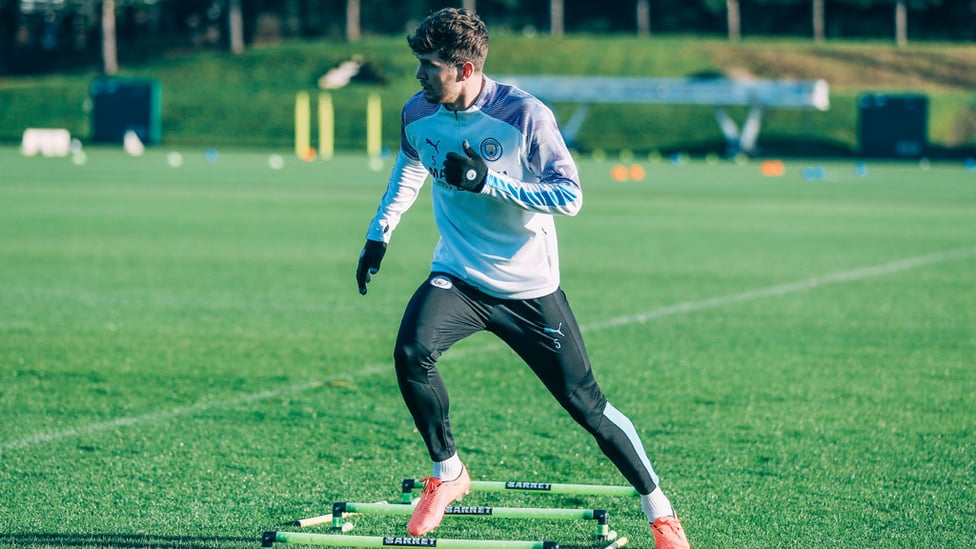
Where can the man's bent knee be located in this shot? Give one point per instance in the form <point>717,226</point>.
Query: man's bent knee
<point>411,357</point>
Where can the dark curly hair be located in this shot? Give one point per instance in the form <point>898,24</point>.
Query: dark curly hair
<point>455,35</point>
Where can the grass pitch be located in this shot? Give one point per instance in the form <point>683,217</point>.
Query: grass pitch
<point>185,360</point>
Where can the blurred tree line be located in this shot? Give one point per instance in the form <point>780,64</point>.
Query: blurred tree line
<point>52,35</point>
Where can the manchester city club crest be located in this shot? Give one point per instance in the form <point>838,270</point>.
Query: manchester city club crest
<point>491,149</point>
<point>441,282</point>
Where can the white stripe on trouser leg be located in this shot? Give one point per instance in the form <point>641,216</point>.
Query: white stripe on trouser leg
<point>623,422</point>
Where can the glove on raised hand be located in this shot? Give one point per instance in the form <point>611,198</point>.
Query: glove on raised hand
<point>466,173</point>
<point>369,262</point>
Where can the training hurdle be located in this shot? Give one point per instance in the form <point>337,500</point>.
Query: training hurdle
<point>268,539</point>
<point>341,509</point>
<point>408,485</point>
<point>326,519</point>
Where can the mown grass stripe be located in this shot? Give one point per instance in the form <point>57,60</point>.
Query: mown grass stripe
<point>680,308</point>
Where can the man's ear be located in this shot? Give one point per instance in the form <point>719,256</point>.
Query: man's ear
<point>467,69</point>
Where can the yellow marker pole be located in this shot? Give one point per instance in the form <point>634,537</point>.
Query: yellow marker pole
<point>326,126</point>
<point>303,124</point>
<point>374,125</point>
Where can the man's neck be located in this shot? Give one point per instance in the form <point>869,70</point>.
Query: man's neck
<point>470,94</point>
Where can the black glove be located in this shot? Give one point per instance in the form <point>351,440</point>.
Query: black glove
<point>369,262</point>
<point>465,173</point>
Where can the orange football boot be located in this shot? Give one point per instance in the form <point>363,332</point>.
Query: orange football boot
<point>668,534</point>
<point>436,497</point>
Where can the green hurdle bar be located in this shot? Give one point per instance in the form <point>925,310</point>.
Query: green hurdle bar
<point>323,519</point>
<point>344,508</point>
<point>339,540</point>
<point>410,484</point>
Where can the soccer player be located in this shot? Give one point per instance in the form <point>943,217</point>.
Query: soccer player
<point>500,171</point>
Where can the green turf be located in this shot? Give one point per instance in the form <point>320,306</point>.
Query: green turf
<point>185,361</point>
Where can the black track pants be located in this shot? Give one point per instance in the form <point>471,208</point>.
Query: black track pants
<point>543,331</point>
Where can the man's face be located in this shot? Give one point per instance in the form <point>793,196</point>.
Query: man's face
<point>439,79</point>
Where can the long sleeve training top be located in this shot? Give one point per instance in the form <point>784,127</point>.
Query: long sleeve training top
<point>503,239</point>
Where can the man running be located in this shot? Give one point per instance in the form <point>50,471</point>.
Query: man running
<point>501,171</point>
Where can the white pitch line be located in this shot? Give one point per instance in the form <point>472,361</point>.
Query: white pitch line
<point>117,423</point>
<point>685,307</point>
<point>788,288</point>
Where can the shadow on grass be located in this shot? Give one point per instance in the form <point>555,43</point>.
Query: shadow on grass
<point>125,541</point>
<point>147,541</point>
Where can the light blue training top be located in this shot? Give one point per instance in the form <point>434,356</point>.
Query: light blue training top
<point>503,239</point>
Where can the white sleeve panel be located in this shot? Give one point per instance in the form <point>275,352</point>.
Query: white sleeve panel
<point>407,177</point>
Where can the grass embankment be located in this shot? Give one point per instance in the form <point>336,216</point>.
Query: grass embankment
<point>215,99</point>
